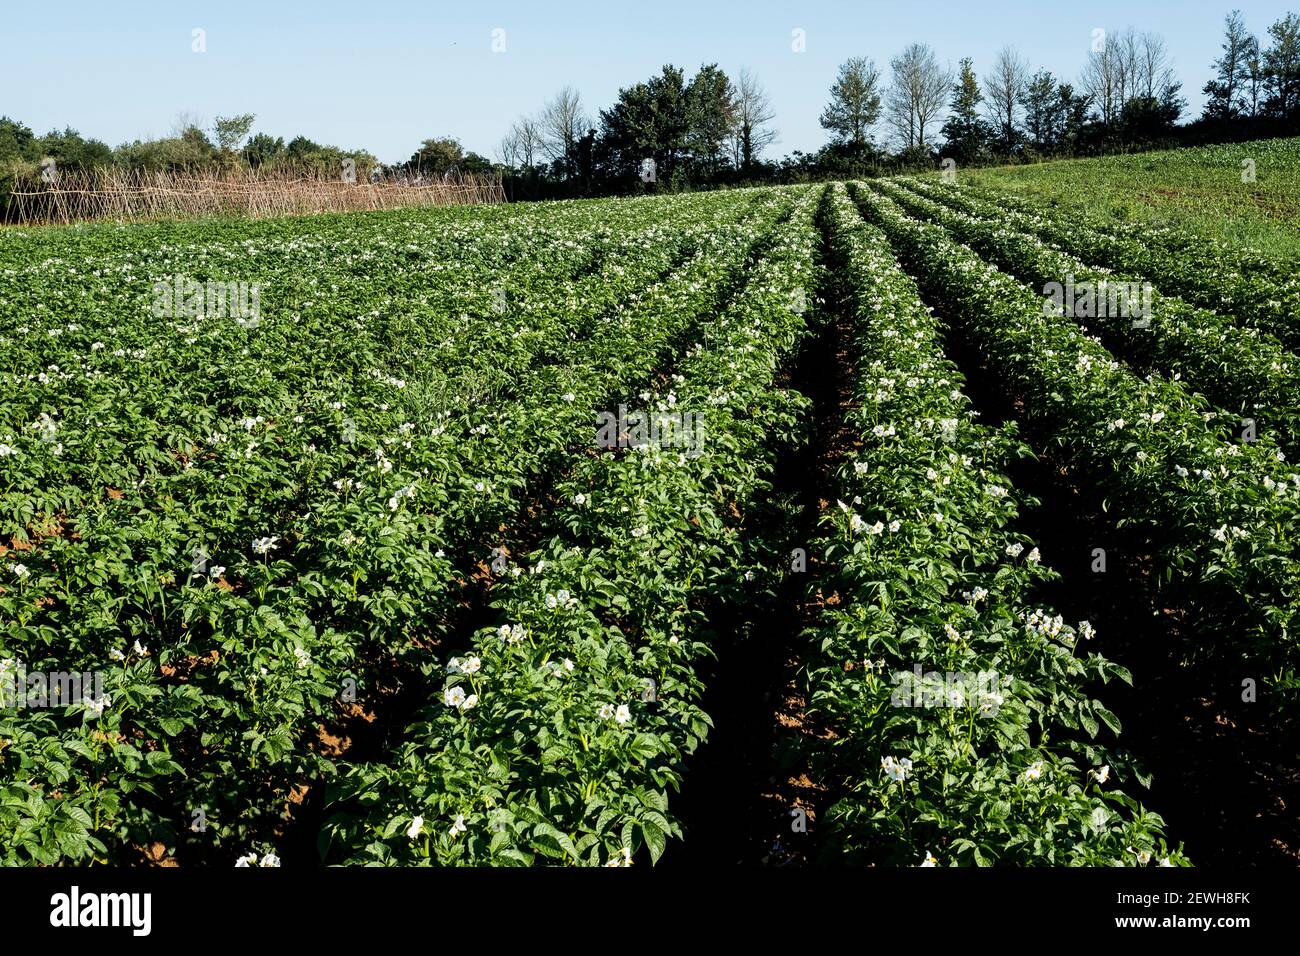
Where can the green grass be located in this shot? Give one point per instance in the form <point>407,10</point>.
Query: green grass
<point>1199,189</point>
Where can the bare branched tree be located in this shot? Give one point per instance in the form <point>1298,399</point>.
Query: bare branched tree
<point>1128,65</point>
<point>1128,57</point>
<point>521,144</point>
<point>508,149</point>
<point>751,134</point>
<point>530,140</point>
<point>184,121</point>
<point>1102,83</point>
<point>1155,70</point>
<point>1004,87</point>
<point>561,124</point>
<point>917,94</point>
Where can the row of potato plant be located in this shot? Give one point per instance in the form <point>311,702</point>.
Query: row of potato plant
<point>1241,370</point>
<point>557,733</point>
<point>1254,288</point>
<point>336,546</point>
<point>1220,518</point>
<point>963,730</point>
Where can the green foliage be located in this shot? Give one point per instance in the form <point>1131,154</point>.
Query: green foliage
<point>263,150</point>
<point>855,103</point>
<point>439,157</point>
<point>350,425</point>
<point>1222,529</point>
<point>648,120</point>
<point>967,133</point>
<point>1242,194</point>
<point>933,578</point>
<point>710,117</point>
<point>230,131</point>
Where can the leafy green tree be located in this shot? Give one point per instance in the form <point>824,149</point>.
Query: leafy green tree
<point>230,131</point>
<point>711,118</point>
<point>190,150</point>
<point>855,103</point>
<point>444,155</point>
<point>18,151</point>
<point>967,134</point>
<point>263,150</point>
<point>1054,115</point>
<point>301,149</point>
<point>1042,108</point>
<point>1282,68</point>
<point>436,156</point>
<point>1147,119</point>
<point>71,149</point>
<point>1224,93</point>
<point>1074,109</point>
<point>17,142</point>
<point>647,121</point>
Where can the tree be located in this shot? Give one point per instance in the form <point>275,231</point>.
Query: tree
<point>263,149</point>
<point>710,117</point>
<point>1282,68</point>
<point>508,149</point>
<point>1073,117</point>
<point>71,149</point>
<point>1146,119</point>
<point>189,148</point>
<point>1153,73</point>
<point>1224,98</point>
<point>1127,59</point>
<point>1127,66</point>
<point>229,131</point>
<point>647,121</point>
<point>1101,81</point>
<point>521,146</point>
<point>916,94</point>
<point>751,135</point>
<point>1005,84</point>
<point>967,134</point>
<point>17,142</point>
<point>443,156</point>
<point>1042,110</point>
<point>186,121</point>
<point>300,148</point>
<point>562,124</point>
<point>1255,76</point>
<point>1054,114</point>
<point>855,103</point>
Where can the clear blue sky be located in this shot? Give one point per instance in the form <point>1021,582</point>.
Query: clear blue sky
<point>385,74</point>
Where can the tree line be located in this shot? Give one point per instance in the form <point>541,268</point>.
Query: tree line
<point>707,130</point>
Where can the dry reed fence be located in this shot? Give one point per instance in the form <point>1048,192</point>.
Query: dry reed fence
<point>80,196</point>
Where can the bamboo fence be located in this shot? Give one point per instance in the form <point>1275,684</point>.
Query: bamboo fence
<point>81,196</point>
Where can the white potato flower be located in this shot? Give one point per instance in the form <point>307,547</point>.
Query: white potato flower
<point>897,769</point>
